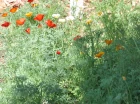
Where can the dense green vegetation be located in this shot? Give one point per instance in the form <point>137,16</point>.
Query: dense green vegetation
<point>93,60</point>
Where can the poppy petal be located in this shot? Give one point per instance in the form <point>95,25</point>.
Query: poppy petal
<point>28,30</point>
<point>4,14</point>
<point>58,52</point>
<point>14,9</point>
<point>30,1</point>
<point>20,21</point>
<point>50,24</point>
<point>39,17</point>
<point>5,24</point>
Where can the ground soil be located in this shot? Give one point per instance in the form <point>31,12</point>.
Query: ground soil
<point>2,8</point>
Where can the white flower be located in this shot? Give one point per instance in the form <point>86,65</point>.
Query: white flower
<point>61,20</point>
<point>0,89</point>
<point>69,18</point>
<point>133,3</point>
<point>71,44</point>
<point>56,15</point>
<point>46,102</point>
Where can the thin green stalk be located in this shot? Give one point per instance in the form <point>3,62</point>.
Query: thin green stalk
<point>130,97</point>
<point>136,45</point>
<point>92,43</point>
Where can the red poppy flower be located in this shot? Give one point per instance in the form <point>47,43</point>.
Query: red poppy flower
<point>4,14</point>
<point>28,30</point>
<point>39,17</point>
<point>20,21</point>
<point>77,37</point>
<point>5,24</point>
<point>50,24</point>
<point>58,52</point>
<point>30,1</point>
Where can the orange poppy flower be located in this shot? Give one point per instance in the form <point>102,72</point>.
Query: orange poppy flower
<point>5,24</point>
<point>39,17</point>
<point>28,30</point>
<point>14,9</point>
<point>50,24</point>
<point>20,21</point>
<point>108,42</point>
<point>4,15</point>
<point>99,55</point>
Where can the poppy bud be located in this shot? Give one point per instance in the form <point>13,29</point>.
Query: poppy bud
<point>58,52</point>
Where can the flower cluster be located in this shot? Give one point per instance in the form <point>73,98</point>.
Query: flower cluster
<point>30,16</point>
<point>108,42</point>
<point>49,23</point>
<point>21,21</point>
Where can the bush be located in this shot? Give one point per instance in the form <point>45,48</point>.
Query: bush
<point>59,63</point>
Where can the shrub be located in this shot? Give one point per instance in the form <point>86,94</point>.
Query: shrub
<point>58,62</point>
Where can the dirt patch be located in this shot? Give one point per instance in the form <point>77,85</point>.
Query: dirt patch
<point>2,8</point>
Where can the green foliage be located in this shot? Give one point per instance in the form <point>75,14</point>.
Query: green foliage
<point>35,73</point>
